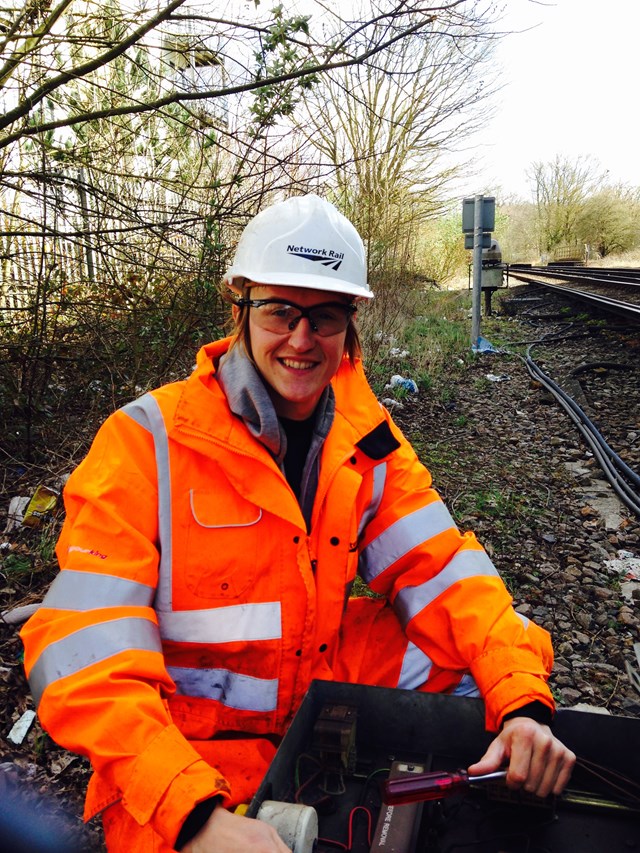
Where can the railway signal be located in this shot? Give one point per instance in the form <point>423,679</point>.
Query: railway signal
<point>478,221</point>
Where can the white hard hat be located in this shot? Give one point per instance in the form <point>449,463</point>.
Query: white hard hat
<point>302,242</point>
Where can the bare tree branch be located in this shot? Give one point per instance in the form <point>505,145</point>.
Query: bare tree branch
<point>32,42</point>
<point>137,107</point>
<point>86,68</point>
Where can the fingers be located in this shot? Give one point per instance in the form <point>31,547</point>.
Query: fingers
<point>493,759</point>
<point>539,763</point>
<point>225,832</point>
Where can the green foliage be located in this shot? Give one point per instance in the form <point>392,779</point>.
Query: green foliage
<point>46,546</point>
<point>33,551</point>
<point>362,590</point>
<point>610,221</point>
<point>481,385</point>
<point>579,213</point>
<point>561,188</point>
<point>96,345</point>
<point>438,457</point>
<point>441,248</point>
<point>16,565</point>
<point>279,56</point>
<point>432,329</point>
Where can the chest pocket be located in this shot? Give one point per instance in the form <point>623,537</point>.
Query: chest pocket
<point>222,543</point>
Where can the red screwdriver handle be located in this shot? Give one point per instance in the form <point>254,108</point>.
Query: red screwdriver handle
<point>424,786</point>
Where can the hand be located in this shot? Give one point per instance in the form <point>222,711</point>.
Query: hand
<point>226,832</point>
<point>538,762</point>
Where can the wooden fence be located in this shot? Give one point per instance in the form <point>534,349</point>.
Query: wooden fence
<point>29,261</point>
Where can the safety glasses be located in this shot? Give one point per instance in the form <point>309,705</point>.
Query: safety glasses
<point>281,317</point>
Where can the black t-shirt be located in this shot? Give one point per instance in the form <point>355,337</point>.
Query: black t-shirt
<point>299,435</point>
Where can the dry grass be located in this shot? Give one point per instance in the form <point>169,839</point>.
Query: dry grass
<point>625,259</point>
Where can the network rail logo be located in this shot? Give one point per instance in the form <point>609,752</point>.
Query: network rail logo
<point>325,257</point>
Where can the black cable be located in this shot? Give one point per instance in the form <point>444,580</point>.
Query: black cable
<point>622,465</point>
<point>595,440</point>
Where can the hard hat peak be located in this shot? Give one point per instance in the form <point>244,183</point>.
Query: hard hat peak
<point>303,241</point>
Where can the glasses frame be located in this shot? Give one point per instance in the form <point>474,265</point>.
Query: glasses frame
<point>349,309</point>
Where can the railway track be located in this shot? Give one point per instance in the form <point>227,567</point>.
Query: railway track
<point>614,290</point>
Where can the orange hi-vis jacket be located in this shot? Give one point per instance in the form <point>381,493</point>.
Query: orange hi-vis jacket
<point>195,601</point>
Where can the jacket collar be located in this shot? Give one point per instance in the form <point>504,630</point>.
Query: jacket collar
<point>248,398</point>
<point>215,404</point>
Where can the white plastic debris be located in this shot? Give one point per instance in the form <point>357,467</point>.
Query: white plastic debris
<point>626,563</point>
<point>17,507</point>
<point>483,345</point>
<point>391,404</point>
<point>18,615</point>
<point>398,381</point>
<point>396,352</point>
<point>627,566</point>
<point>21,728</point>
<point>493,377</point>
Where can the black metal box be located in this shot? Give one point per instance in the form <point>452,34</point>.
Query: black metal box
<point>601,811</point>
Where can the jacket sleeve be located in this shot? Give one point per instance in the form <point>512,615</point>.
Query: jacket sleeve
<point>93,654</point>
<point>447,593</point>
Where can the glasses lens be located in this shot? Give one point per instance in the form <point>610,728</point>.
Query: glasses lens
<point>329,319</point>
<point>276,316</point>
<point>326,319</point>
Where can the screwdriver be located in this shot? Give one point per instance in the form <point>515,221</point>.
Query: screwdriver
<point>431,786</point>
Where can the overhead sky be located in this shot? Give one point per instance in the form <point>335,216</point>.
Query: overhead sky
<point>570,80</point>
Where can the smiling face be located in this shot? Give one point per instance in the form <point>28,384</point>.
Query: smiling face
<point>296,366</point>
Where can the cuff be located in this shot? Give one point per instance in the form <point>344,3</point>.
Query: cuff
<point>537,711</point>
<point>195,821</point>
<point>169,778</point>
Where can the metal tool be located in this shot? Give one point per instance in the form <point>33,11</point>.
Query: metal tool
<point>432,786</point>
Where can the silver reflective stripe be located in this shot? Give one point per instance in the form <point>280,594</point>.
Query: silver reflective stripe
<point>403,535</point>
<point>146,412</point>
<point>242,692</point>
<point>377,491</point>
<point>223,624</point>
<point>82,648</point>
<point>523,619</point>
<point>465,564</point>
<point>73,590</point>
<point>416,667</point>
<point>466,687</point>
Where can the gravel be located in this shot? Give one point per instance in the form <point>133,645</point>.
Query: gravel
<point>512,466</point>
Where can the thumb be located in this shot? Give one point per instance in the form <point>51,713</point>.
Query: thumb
<point>490,761</point>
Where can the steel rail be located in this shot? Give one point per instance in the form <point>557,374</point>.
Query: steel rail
<point>628,308</point>
<point>595,297</point>
<point>624,278</point>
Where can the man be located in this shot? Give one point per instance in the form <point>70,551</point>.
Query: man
<point>212,537</point>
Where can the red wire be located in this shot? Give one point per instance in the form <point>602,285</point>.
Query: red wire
<point>333,843</point>
<point>349,844</point>
<point>304,785</point>
<point>351,817</point>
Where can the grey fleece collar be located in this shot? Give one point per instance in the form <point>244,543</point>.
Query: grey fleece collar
<point>249,399</point>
